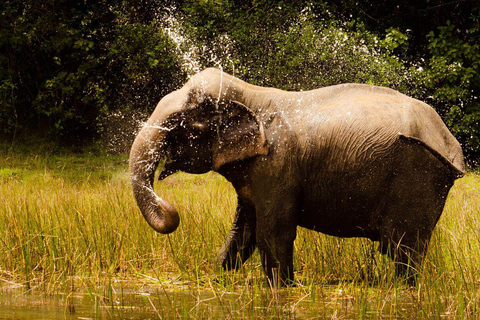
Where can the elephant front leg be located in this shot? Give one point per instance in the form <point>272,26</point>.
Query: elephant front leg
<point>241,241</point>
<point>277,259</point>
<point>276,233</point>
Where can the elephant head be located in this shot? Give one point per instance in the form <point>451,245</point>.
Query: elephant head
<point>195,129</point>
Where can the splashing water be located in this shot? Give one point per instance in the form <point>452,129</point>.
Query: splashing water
<point>193,54</point>
<point>184,46</point>
<point>120,128</point>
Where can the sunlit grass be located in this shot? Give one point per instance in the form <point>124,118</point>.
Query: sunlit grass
<point>70,223</point>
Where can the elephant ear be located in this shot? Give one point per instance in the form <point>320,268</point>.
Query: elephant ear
<point>240,135</point>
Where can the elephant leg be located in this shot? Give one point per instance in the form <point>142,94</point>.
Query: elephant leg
<point>241,241</point>
<point>407,251</point>
<point>276,233</point>
<point>413,210</point>
<point>406,241</point>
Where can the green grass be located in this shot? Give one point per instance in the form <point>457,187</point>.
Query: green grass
<point>69,223</point>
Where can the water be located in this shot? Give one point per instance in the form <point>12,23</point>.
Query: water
<point>122,304</point>
<point>219,54</point>
<point>128,304</point>
<point>154,302</point>
<point>78,305</point>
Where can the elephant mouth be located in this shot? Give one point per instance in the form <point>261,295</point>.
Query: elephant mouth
<point>168,169</point>
<point>165,173</point>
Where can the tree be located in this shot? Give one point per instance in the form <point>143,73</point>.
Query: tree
<point>65,66</point>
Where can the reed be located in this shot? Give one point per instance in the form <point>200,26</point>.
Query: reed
<point>70,223</point>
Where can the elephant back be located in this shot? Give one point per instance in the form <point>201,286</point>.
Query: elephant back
<point>349,107</point>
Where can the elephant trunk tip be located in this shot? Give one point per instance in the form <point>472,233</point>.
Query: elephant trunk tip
<point>159,213</point>
<point>170,218</point>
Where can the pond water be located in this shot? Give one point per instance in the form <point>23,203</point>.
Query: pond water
<point>116,303</point>
<point>153,302</point>
<point>79,305</point>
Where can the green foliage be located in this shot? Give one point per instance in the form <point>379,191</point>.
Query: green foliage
<point>65,66</point>
<point>8,116</point>
<point>395,40</point>
<point>289,47</point>
<point>453,76</point>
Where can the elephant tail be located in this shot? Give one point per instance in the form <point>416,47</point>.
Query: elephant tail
<point>456,165</point>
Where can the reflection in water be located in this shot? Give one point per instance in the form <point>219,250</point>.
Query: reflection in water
<point>154,302</point>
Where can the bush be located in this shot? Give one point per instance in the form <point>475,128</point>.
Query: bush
<point>454,79</point>
<point>64,67</point>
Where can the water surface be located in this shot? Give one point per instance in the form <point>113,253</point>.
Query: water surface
<point>156,302</point>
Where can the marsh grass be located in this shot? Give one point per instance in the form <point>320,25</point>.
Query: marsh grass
<point>69,224</point>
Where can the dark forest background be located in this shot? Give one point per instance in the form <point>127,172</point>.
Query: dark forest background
<point>83,72</point>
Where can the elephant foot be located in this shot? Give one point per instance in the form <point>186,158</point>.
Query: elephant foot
<point>232,255</point>
<point>407,260</point>
<point>278,277</point>
<point>227,260</point>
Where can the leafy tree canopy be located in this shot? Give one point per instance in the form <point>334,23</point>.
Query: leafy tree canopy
<point>72,69</point>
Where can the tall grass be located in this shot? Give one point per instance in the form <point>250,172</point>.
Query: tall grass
<point>70,222</point>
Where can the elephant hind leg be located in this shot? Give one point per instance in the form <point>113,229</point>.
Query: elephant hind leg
<point>407,252</point>
<point>407,229</point>
<point>415,203</point>
<point>241,241</point>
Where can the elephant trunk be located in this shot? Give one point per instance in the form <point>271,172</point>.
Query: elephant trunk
<point>147,150</point>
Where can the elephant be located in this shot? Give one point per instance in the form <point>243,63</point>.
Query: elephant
<point>349,160</point>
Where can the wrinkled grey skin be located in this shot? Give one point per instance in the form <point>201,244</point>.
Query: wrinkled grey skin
<point>348,160</point>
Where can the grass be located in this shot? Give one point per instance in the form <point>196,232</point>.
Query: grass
<point>69,225</point>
